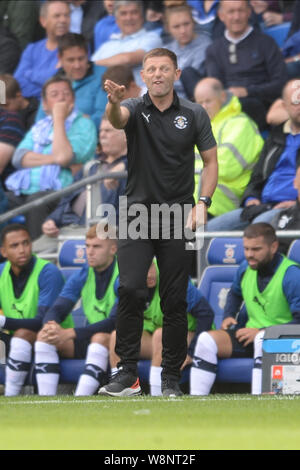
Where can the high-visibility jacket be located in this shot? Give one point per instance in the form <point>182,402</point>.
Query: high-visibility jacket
<point>239,144</point>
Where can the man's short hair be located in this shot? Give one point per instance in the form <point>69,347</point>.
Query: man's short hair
<point>120,74</point>
<point>161,52</point>
<point>183,8</point>
<point>56,79</point>
<point>261,229</point>
<point>69,40</point>
<point>121,3</point>
<point>102,230</point>
<point>12,228</point>
<point>45,5</point>
<point>12,86</point>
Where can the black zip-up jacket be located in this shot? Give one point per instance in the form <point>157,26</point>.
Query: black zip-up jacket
<point>270,154</point>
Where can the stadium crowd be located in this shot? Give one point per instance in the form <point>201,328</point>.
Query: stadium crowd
<point>54,59</point>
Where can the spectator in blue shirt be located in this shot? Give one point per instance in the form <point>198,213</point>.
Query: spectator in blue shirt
<point>69,217</point>
<point>85,76</point>
<point>39,60</point>
<point>44,157</point>
<point>132,43</point>
<point>106,26</point>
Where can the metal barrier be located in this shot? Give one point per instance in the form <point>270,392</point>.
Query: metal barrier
<point>62,192</point>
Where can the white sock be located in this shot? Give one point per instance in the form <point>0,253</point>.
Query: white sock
<point>95,364</point>
<point>46,368</point>
<point>155,381</point>
<point>18,365</point>
<point>257,370</point>
<point>203,370</point>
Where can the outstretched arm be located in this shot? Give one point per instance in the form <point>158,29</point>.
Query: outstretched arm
<point>118,115</point>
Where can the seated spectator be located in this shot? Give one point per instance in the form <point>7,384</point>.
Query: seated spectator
<point>200,318</point>
<point>123,75</point>
<point>11,134</point>
<point>273,12</point>
<point>69,218</point>
<point>268,283</point>
<point>39,59</point>
<point>248,62</point>
<point>15,101</point>
<point>28,287</point>
<point>93,11</point>
<point>21,19</point>
<point>43,158</point>
<point>96,285</point>
<point>239,144</point>
<point>106,26</point>
<point>85,76</point>
<point>130,46</point>
<point>189,46</point>
<point>271,187</point>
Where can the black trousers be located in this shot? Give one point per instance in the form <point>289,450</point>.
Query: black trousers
<point>174,263</point>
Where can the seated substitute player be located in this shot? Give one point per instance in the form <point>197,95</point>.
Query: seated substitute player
<point>269,284</point>
<point>96,284</point>
<point>28,287</point>
<point>200,318</point>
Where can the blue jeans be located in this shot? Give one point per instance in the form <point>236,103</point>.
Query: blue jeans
<point>232,220</point>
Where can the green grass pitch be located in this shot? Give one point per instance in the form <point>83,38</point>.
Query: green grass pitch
<point>149,423</point>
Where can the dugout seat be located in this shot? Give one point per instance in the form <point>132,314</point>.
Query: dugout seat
<point>224,256</point>
<point>71,257</point>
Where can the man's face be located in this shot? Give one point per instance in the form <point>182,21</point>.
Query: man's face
<point>100,252</point>
<point>181,27</point>
<point>109,6</point>
<point>291,101</point>
<point>113,141</point>
<point>17,248</point>
<point>159,75</point>
<point>209,99</point>
<point>57,20</point>
<point>235,15</point>
<point>57,93</point>
<point>258,253</point>
<point>129,19</point>
<point>152,276</point>
<point>75,62</point>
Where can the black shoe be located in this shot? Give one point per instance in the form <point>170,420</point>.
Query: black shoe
<point>122,384</point>
<point>170,387</point>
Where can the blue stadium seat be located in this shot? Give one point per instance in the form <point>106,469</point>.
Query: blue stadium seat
<point>278,33</point>
<point>227,251</point>
<point>214,284</point>
<point>72,254</point>
<point>294,251</point>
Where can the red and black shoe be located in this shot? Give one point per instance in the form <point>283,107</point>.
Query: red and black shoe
<point>122,384</point>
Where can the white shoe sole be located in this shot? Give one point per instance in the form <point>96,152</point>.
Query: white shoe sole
<point>127,392</point>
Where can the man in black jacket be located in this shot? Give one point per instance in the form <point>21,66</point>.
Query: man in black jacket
<point>248,62</point>
<point>271,187</point>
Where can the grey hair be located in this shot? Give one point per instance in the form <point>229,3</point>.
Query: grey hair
<point>122,3</point>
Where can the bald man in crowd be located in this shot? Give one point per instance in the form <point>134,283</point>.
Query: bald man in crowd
<point>239,144</point>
